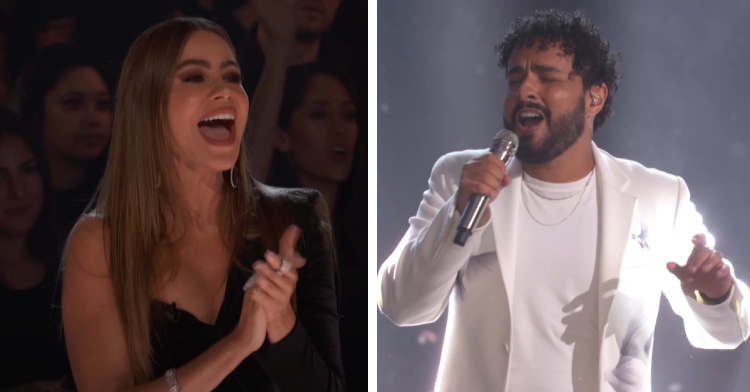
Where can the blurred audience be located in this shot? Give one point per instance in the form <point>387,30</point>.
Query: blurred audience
<point>32,356</point>
<point>291,32</point>
<point>309,129</point>
<point>58,30</point>
<point>287,33</point>
<point>306,131</point>
<point>4,71</point>
<point>244,14</point>
<point>61,92</point>
<point>319,145</point>
<point>317,131</point>
<point>7,18</point>
<point>350,26</point>
<point>36,24</point>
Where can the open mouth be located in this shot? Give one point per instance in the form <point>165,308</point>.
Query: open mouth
<point>341,154</point>
<point>18,211</point>
<point>528,119</point>
<point>315,10</point>
<point>311,6</point>
<point>92,138</point>
<point>219,127</point>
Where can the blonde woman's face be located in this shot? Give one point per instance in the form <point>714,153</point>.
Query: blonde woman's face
<point>208,106</point>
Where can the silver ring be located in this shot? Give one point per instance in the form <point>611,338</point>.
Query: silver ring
<point>286,265</point>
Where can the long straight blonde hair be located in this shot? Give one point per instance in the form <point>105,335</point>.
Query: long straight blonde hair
<point>136,198</point>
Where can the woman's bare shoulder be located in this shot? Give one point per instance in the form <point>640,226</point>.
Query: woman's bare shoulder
<point>87,244</point>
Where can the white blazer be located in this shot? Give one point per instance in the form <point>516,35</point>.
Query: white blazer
<point>645,220</point>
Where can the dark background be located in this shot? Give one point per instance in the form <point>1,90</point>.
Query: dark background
<point>106,29</point>
<point>682,108</point>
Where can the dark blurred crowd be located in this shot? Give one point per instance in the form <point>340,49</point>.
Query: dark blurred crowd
<point>304,66</point>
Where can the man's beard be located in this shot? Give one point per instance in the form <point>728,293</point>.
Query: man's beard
<point>561,134</point>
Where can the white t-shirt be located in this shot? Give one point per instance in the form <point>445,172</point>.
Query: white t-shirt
<point>554,343</point>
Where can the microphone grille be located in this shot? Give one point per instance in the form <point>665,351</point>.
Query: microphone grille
<point>505,140</point>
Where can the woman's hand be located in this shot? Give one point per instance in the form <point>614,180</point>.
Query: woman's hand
<point>275,282</point>
<point>277,19</point>
<point>250,332</point>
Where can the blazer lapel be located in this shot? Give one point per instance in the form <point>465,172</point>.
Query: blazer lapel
<point>616,208</point>
<point>504,224</point>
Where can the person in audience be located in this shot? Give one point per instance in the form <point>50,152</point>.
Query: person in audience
<point>187,274</point>
<point>32,356</point>
<point>63,94</point>
<point>319,145</point>
<point>287,34</point>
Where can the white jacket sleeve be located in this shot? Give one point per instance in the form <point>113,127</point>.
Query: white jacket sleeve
<point>418,277</point>
<point>721,326</point>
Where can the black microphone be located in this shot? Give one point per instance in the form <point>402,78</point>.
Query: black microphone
<point>504,145</point>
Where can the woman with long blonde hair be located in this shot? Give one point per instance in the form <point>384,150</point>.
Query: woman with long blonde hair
<point>187,274</point>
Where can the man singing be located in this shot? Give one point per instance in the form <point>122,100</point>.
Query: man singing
<point>558,287</point>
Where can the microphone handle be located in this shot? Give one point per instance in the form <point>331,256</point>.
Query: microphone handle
<point>477,203</point>
<point>470,217</point>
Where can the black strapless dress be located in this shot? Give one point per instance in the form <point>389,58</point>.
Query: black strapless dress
<point>308,359</point>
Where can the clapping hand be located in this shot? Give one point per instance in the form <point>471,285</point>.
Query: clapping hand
<point>275,281</point>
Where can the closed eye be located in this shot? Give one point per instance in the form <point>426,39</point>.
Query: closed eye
<point>73,104</point>
<point>318,114</point>
<point>197,78</point>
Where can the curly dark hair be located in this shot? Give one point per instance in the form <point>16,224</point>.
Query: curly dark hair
<point>575,35</point>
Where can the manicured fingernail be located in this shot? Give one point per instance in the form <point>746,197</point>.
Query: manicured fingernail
<point>250,283</point>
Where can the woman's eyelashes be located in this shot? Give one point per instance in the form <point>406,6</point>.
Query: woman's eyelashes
<point>318,114</point>
<point>193,78</point>
<point>232,77</point>
<point>29,168</point>
<point>73,103</point>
